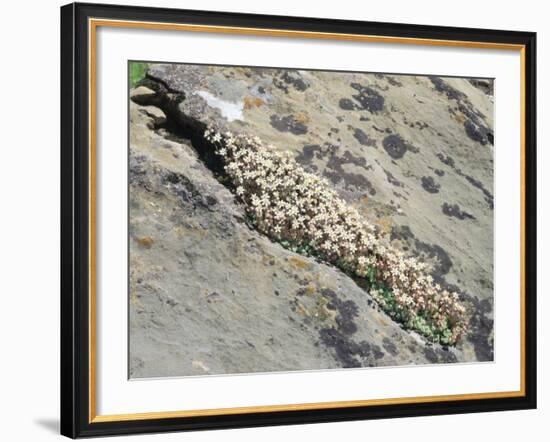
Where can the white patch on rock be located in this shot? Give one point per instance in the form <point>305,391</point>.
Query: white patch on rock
<point>230,111</point>
<point>201,365</point>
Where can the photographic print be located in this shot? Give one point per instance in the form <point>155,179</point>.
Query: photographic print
<point>285,219</point>
<point>271,220</point>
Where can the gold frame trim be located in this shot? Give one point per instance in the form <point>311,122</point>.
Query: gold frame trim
<point>93,24</point>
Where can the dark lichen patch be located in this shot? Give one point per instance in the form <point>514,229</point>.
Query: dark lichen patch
<point>347,311</point>
<point>478,133</point>
<point>339,338</point>
<point>446,356</point>
<point>288,79</point>
<point>453,210</point>
<point>363,138</point>
<point>288,124</point>
<point>479,185</point>
<point>483,84</point>
<point>470,112</point>
<point>447,160</point>
<point>439,355</point>
<point>390,347</point>
<point>280,85</point>
<point>439,172</point>
<point>414,124</point>
<point>392,81</point>
<point>349,179</point>
<point>295,79</point>
<point>433,253</point>
<point>436,254</point>
<point>473,120</point>
<point>443,87</point>
<point>430,354</point>
<point>396,147</point>
<point>488,196</point>
<point>308,151</point>
<point>485,283</point>
<point>356,180</point>
<point>403,233</point>
<point>213,297</point>
<point>480,326</point>
<point>334,166</point>
<point>137,172</point>
<point>377,352</point>
<point>366,99</point>
<point>392,180</point>
<point>348,157</point>
<point>175,183</point>
<point>399,195</point>
<point>346,104</point>
<point>180,185</point>
<point>429,184</point>
<point>383,88</point>
<point>348,352</point>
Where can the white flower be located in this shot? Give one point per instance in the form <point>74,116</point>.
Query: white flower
<point>278,192</point>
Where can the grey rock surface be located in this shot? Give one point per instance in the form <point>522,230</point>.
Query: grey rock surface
<point>210,295</point>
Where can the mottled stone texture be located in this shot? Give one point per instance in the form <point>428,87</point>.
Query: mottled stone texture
<point>210,295</point>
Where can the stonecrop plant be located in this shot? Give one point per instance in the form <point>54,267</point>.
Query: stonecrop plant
<point>302,212</point>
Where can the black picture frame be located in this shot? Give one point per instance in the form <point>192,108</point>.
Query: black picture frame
<point>75,221</point>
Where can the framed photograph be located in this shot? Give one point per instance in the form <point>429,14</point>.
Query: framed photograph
<point>274,220</point>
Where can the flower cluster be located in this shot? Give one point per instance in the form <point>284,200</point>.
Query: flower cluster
<point>301,211</point>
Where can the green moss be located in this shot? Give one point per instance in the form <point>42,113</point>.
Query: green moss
<point>136,71</point>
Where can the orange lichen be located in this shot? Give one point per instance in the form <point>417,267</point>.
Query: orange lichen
<point>252,102</point>
<point>145,242</point>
